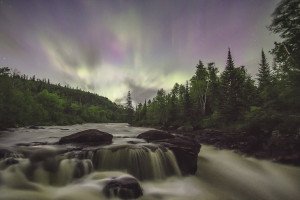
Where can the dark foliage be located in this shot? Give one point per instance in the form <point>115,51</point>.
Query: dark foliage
<point>30,101</point>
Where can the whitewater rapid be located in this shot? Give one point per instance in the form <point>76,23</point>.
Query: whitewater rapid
<point>221,174</point>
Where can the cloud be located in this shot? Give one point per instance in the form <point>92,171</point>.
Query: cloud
<point>110,47</point>
<point>140,93</point>
<point>73,53</point>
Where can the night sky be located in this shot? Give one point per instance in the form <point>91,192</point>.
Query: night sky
<point>112,46</point>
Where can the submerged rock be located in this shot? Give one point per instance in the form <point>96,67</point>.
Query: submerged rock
<point>185,148</point>
<point>89,137</point>
<point>35,127</point>
<point>40,154</point>
<point>124,187</point>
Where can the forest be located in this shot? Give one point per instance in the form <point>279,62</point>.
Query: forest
<point>233,99</point>
<point>30,101</point>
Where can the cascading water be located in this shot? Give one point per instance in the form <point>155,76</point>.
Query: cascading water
<point>83,174</point>
<point>143,162</point>
<point>65,171</point>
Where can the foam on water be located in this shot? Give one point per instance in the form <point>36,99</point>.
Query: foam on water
<point>221,174</point>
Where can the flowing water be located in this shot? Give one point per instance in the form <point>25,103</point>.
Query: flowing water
<point>52,173</point>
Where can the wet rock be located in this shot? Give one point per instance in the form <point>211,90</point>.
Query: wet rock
<point>185,128</point>
<point>154,135</point>
<point>51,164</point>
<point>88,137</point>
<point>32,144</point>
<point>11,161</point>
<point>186,151</point>
<point>35,127</point>
<point>41,154</point>
<point>78,170</point>
<point>185,148</point>
<point>6,153</point>
<point>124,187</point>
<point>135,142</point>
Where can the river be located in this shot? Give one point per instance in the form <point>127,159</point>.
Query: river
<point>221,174</point>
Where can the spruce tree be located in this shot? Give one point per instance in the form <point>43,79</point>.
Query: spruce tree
<point>264,73</point>
<point>187,102</point>
<point>214,88</point>
<point>129,108</point>
<point>228,103</point>
<point>144,111</point>
<point>199,89</point>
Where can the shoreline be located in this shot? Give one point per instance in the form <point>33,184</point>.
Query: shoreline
<point>277,148</point>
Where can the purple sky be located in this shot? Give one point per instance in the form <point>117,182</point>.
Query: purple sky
<point>112,46</point>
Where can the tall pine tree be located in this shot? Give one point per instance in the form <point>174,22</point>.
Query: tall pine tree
<point>264,73</point>
<point>187,102</point>
<point>129,108</point>
<point>229,104</point>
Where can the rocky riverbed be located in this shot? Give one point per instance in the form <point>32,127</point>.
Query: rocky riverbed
<point>102,161</point>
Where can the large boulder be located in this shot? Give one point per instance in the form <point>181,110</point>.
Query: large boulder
<point>88,137</point>
<point>154,135</point>
<point>185,148</point>
<point>124,187</point>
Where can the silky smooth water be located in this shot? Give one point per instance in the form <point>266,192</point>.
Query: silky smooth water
<point>221,174</point>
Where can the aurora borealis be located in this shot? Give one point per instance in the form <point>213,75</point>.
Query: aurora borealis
<point>112,46</point>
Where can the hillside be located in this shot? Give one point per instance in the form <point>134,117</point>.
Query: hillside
<point>30,101</point>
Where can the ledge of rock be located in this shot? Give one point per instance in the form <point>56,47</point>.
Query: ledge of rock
<point>89,137</point>
<point>185,148</point>
<point>154,135</point>
<point>124,187</point>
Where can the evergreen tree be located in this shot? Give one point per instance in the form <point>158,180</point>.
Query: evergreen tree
<point>214,88</point>
<point>187,102</point>
<point>129,108</point>
<point>144,111</point>
<point>199,89</point>
<point>264,73</point>
<point>161,106</point>
<point>228,107</point>
<point>285,22</point>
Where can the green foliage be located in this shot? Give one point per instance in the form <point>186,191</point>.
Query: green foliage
<point>230,99</point>
<point>285,22</point>
<point>259,120</point>
<point>27,101</point>
<point>264,73</point>
<point>199,89</point>
<point>234,94</point>
<point>212,121</point>
<point>129,109</point>
<point>289,125</point>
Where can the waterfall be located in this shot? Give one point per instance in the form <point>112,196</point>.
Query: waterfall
<point>66,171</point>
<point>143,162</point>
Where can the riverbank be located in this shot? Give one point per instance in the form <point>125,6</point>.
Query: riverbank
<point>275,147</point>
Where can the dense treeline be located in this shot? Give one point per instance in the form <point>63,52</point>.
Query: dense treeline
<point>233,99</point>
<point>30,101</point>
